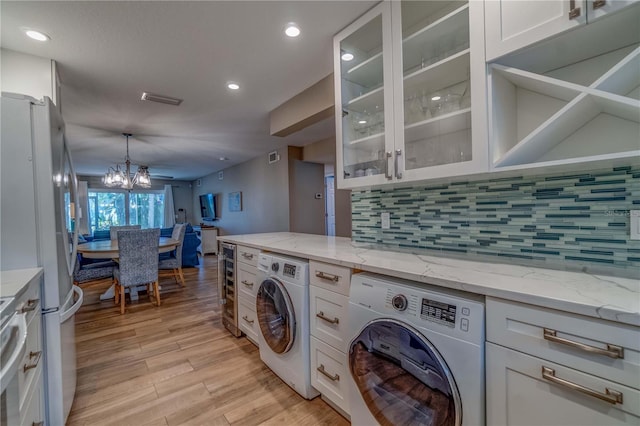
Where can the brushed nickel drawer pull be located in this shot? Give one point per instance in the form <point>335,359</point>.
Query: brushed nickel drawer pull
<point>325,276</point>
<point>247,319</point>
<point>574,11</point>
<point>30,306</point>
<point>597,4</point>
<point>329,320</point>
<point>37,356</point>
<point>247,283</point>
<point>334,378</point>
<point>612,351</point>
<point>247,256</point>
<point>611,396</point>
<point>37,424</point>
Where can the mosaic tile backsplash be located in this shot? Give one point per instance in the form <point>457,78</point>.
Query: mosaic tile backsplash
<point>575,221</point>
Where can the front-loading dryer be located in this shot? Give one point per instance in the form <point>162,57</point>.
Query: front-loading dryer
<point>416,355</point>
<point>282,310</point>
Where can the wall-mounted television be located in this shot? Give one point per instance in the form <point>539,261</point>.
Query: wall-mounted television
<point>208,207</point>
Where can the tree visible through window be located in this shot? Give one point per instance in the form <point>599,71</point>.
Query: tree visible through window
<point>108,209</point>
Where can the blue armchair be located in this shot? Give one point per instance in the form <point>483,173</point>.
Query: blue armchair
<point>189,246</point>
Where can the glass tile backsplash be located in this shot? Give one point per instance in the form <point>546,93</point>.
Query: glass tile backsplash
<point>571,220</point>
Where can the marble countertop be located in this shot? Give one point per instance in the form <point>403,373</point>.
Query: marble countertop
<point>610,298</point>
<point>14,281</point>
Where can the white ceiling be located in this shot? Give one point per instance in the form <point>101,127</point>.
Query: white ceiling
<point>108,53</point>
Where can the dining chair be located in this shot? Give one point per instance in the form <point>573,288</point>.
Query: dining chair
<point>113,231</point>
<point>172,266</point>
<point>138,254</point>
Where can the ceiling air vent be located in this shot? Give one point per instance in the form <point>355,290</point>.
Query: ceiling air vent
<point>160,99</point>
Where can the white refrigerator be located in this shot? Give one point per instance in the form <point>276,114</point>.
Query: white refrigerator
<point>38,213</point>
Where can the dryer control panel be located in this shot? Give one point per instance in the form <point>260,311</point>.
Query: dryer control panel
<point>450,312</point>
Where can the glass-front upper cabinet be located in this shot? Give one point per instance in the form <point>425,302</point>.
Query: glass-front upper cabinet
<point>421,125</point>
<point>363,86</point>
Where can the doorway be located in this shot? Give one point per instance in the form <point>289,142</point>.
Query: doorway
<point>330,205</point>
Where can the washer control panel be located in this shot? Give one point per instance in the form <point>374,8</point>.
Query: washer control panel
<point>438,311</point>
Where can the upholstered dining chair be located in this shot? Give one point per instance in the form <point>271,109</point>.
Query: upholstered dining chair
<point>138,250</point>
<point>113,231</point>
<point>172,266</point>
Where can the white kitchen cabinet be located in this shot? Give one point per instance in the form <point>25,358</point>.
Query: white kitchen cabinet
<point>30,374</point>
<point>247,285</point>
<point>515,24</point>
<point>546,367</point>
<point>209,238</point>
<point>328,319</point>
<point>572,99</point>
<point>405,95</point>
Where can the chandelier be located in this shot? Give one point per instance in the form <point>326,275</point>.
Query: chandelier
<point>120,175</point>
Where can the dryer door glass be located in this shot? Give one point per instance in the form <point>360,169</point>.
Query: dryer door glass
<point>401,377</point>
<point>275,316</point>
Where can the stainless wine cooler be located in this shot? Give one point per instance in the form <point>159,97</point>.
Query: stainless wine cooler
<point>227,287</point>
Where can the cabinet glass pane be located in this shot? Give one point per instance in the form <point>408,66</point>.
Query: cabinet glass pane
<point>436,87</point>
<point>361,70</point>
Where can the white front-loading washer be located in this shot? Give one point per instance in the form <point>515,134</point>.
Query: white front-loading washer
<point>282,309</point>
<point>416,355</point>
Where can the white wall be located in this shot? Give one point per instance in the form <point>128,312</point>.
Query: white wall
<point>28,75</point>
<point>265,196</point>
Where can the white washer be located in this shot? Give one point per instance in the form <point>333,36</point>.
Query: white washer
<point>416,354</point>
<point>282,309</point>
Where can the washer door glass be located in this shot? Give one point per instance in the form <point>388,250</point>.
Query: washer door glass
<point>402,378</point>
<point>275,316</point>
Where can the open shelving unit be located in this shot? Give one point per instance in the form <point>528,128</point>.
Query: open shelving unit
<point>539,120</point>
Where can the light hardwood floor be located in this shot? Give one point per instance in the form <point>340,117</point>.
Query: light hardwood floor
<point>177,365</point>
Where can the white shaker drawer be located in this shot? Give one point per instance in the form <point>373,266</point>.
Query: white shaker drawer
<point>523,389</point>
<point>603,348</point>
<point>329,312</point>
<point>29,301</point>
<point>31,364</point>
<point>248,255</point>
<point>248,321</point>
<point>329,373</point>
<point>33,412</point>
<point>247,283</point>
<point>332,277</point>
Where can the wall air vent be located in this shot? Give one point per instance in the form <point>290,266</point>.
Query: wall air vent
<point>160,98</point>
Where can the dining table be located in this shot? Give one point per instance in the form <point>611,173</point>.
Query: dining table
<point>108,249</point>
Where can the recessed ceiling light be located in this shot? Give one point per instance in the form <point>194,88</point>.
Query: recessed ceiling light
<point>233,85</point>
<point>346,56</point>
<point>436,98</point>
<point>37,35</point>
<point>292,30</point>
<point>223,158</point>
<point>362,122</point>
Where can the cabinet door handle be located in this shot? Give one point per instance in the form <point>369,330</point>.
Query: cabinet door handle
<point>612,351</point>
<point>597,4</point>
<point>37,424</point>
<point>325,276</point>
<point>611,396</point>
<point>30,306</point>
<point>246,318</point>
<point>387,172</point>
<point>397,164</point>
<point>329,320</point>
<point>37,356</point>
<point>574,11</point>
<point>247,256</point>
<point>334,378</point>
<point>247,283</point>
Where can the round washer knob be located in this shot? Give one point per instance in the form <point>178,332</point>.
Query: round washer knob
<point>399,302</point>
<point>275,267</point>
